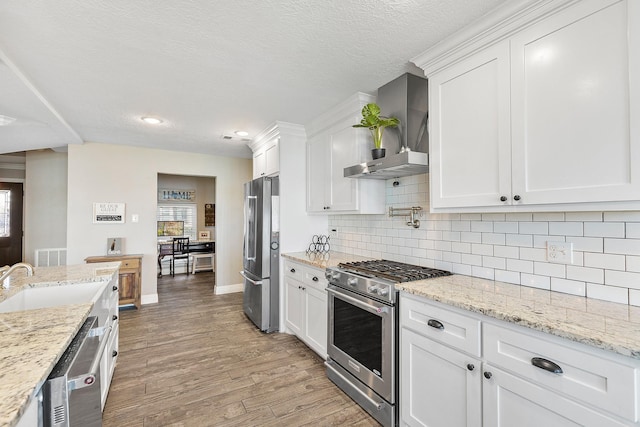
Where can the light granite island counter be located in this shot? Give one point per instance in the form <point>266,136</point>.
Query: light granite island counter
<point>32,341</point>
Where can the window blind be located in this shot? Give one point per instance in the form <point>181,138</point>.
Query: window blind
<point>182,212</point>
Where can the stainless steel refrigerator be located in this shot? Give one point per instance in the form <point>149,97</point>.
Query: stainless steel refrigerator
<point>261,253</point>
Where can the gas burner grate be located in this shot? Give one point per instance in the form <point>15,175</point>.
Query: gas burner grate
<point>392,270</point>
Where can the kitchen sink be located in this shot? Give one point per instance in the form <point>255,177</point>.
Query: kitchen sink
<point>52,296</point>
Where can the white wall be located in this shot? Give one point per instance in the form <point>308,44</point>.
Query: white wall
<point>117,173</point>
<point>45,202</point>
<point>506,247</point>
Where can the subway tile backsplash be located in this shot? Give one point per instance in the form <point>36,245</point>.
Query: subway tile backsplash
<point>509,247</point>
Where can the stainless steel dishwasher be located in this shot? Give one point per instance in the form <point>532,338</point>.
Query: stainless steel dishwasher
<point>72,391</point>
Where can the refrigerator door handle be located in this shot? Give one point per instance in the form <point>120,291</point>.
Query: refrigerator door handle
<point>250,222</point>
<point>255,282</point>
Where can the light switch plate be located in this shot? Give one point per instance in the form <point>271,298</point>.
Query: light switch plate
<point>560,252</point>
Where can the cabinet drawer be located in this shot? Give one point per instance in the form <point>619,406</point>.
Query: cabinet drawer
<point>441,324</point>
<point>129,263</point>
<point>293,270</point>
<point>586,376</point>
<point>315,277</point>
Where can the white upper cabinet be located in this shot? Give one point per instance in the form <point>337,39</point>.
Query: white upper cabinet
<point>334,144</point>
<point>266,158</point>
<point>535,113</point>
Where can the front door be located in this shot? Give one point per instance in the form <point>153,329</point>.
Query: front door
<point>10,223</point>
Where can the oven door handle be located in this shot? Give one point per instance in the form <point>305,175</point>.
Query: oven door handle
<point>379,310</point>
<point>89,378</point>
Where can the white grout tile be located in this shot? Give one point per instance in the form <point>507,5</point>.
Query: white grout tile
<point>483,272</point>
<point>433,254</point>
<point>471,259</point>
<point>608,261</point>
<point>443,265</point>
<point>462,269</point>
<point>493,238</point>
<point>494,262</point>
<point>493,217</point>
<point>572,287</point>
<point>461,247</point>
<point>548,216</point>
<point>633,230</point>
<point>461,226</point>
<point>471,237</point>
<point>541,241</point>
<point>626,216</point>
<point>452,257</point>
<point>419,253</point>
<point>519,240</point>
<point>586,244</point>
<point>505,227</point>
<point>622,246</point>
<point>608,293</point>
<point>541,282</point>
<point>548,269</point>
<point>482,226</point>
<point>508,276</point>
<point>520,265</point>
<point>604,229</point>
<point>533,254</point>
<point>585,274</point>
<point>480,249</point>
<point>583,216</point>
<point>632,263</point>
<point>441,245</point>
<point>566,228</point>
<point>519,216</point>
<point>506,251</point>
<point>471,217</point>
<point>634,297</point>
<point>534,227</point>
<point>622,278</point>
<point>452,236</point>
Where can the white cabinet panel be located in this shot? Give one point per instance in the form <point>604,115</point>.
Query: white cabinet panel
<point>571,109</point>
<point>315,322</point>
<point>470,141</point>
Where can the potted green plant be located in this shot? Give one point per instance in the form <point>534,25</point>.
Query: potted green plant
<point>372,120</point>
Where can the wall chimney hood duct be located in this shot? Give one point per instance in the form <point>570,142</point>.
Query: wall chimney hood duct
<point>407,146</point>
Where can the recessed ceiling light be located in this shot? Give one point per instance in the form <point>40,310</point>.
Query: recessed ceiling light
<point>6,120</point>
<point>151,120</point>
<point>241,133</point>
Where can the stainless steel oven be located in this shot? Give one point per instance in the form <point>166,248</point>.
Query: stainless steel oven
<point>363,326</point>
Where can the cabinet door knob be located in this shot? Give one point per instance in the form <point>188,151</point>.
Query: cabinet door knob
<point>470,366</point>
<point>115,288</point>
<point>293,270</point>
<point>516,197</point>
<point>488,375</point>
<point>114,353</point>
<point>503,198</point>
<point>315,279</point>
<point>115,317</point>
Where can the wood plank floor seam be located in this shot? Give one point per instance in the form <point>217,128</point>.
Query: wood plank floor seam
<point>194,359</point>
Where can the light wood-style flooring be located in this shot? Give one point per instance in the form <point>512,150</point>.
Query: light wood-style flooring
<point>195,360</point>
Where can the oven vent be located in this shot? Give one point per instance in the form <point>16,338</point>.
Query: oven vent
<point>51,257</point>
<point>59,416</point>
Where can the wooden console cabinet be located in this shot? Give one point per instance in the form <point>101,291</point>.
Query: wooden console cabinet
<point>130,278</point>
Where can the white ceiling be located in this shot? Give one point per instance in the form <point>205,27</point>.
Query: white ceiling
<point>86,70</point>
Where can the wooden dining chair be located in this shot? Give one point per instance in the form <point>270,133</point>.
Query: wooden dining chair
<point>179,250</point>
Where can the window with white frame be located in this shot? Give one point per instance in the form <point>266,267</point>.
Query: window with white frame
<point>5,213</point>
<point>185,212</point>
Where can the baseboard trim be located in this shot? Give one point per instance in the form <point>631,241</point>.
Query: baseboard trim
<point>229,289</point>
<point>149,299</point>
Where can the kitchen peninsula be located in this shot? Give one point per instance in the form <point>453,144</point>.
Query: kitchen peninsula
<point>32,341</point>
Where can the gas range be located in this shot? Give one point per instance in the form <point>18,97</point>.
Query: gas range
<point>377,278</point>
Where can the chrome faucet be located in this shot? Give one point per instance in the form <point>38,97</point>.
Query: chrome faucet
<point>6,271</point>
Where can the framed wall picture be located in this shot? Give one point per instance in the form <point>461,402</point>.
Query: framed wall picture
<point>108,213</point>
<point>204,235</point>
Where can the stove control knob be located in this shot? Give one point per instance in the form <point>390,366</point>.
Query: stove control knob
<point>373,289</point>
<point>383,292</point>
<point>352,281</point>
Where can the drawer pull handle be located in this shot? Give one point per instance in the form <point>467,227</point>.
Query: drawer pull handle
<point>315,278</point>
<point>547,365</point>
<point>293,270</point>
<point>435,324</point>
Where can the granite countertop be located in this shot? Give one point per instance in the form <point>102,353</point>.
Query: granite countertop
<point>323,260</point>
<point>606,325</point>
<point>32,341</point>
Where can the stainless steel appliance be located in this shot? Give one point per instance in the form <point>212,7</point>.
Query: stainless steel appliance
<point>363,331</point>
<point>261,253</point>
<point>72,391</point>
<point>406,98</point>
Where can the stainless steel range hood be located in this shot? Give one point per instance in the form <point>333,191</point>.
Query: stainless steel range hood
<point>406,146</point>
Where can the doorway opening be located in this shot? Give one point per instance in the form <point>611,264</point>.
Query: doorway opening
<point>186,209</point>
<point>11,213</point>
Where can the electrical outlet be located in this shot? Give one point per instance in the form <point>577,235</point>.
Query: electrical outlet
<point>333,233</point>
<point>560,252</point>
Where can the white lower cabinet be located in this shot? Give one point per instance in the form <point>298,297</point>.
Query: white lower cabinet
<point>440,386</point>
<point>306,305</point>
<point>520,377</point>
